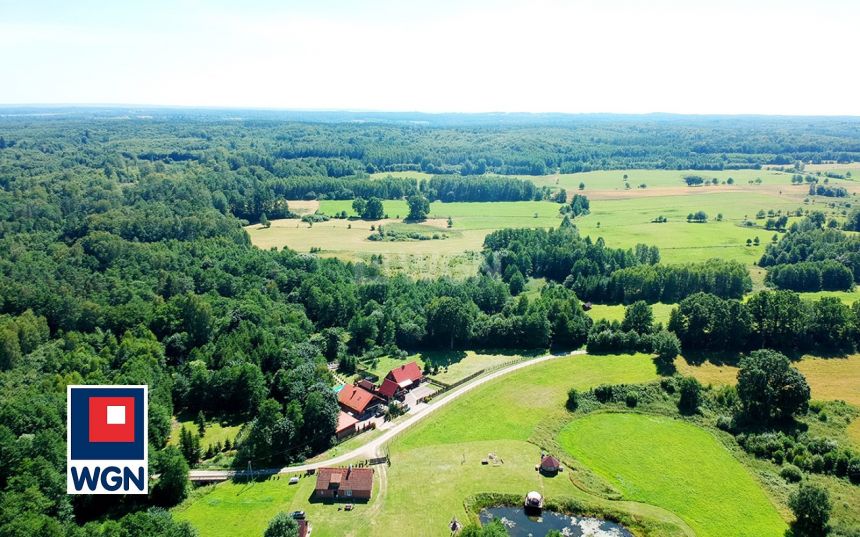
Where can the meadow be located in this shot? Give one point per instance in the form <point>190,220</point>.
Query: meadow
<point>677,466</point>
<point>829,378</point>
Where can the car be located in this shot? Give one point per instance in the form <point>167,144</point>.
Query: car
<point>348,507</point>
<point>294,480</point>
<point>298,515</point>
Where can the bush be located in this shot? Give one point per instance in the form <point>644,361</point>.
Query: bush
<point>572,399</point>
<point>631,400</point>
<point>726,423</point>
<point>603,393</point>
<point>691,396</point>
<point>791,473</point>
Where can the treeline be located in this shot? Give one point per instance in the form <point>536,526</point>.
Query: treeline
<point>664,283</point>
<point>479,188</point>
<point>806,258</point>
<point>769,319</point>
<point>607,275</point>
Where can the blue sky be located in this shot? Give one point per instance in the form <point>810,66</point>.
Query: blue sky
<point>706,56</point>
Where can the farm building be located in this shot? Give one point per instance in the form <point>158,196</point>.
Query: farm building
<point>549,465</point>
<point>356,401</point>
<point>400,380</point>
<point>344,483</point>
<point>345,425</point>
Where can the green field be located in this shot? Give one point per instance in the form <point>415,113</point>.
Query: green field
<point>215,432</point>
<point>614,179</point>
<point>453,365</point>
<point>678,466</point>
<point>615,312</point>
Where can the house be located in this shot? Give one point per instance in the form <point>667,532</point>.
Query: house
<point>344,483</point>
<point>345,425</point>
<point>356,401</point>
<point>406,376</point>
<point>549,465</point>
<point>366,384</point>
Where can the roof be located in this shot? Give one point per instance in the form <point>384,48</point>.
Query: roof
<point>345,479</point>
<point>344,421</point>
<point>409,371</point>
<point>366,384</point>
<point>388,388</point>
<point>549,461</point>
<point>303,528</point>
<point>354,398</point>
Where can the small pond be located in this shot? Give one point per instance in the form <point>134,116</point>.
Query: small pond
<point>521,525</point>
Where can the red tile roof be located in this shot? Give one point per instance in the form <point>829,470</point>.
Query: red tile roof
<point>303,528</point>
<point>355,479</point>
<point>344,421</point>
<point>366,385</point>
<point>388,388</point>
<point>354,398</point>
<point>409,371</point>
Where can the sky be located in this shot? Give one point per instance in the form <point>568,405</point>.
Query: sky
<point>579,56</point>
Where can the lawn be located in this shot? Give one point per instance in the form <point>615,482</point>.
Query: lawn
<point>677,466</point>
<point>829,378</point>
<point>614,179</point>
<point>853,431</point>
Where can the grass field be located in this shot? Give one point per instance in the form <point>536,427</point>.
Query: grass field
<point>615,312</point>
<point>614,179</point>
<point>215,432</point>
<point>854,433</point>
<point>829,378</point>
<point>678,466</point>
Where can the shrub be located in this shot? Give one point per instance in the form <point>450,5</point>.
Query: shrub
<point>631,400</point>
<point>791,473</point>
<point>572,399</point>
<point>603,393</point>
<point>691,396</point>
<point>726,423</point>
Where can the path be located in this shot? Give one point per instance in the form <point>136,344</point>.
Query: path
<point>372,448</point>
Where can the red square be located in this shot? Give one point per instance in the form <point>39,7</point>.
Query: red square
<point>101,430</point>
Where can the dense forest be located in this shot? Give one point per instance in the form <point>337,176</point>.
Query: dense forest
<point>123,260</point>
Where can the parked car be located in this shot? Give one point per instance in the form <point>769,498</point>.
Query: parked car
<point>298,515</point>
<point>348,507</point>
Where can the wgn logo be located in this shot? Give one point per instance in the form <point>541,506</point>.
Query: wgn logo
<point>107,440</point>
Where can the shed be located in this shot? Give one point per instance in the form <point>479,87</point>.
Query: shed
<point>549,465</point>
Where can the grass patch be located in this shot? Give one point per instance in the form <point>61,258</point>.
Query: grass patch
<point>677,466</point>
<point>215,432</point>
<point>616,312</point>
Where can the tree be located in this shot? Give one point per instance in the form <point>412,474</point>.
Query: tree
<point>811,507</point>
<point>172,485</point>
<point>581,186</point>
<point>691,395</point>
<point>517,283</point>
<point>572,399</point>
<point>201,424</point>
<point>769,388</point>
<point>264,221</point>
<point>373,210</point>
<point>638,317</point>
<point>419,207</point>
<point>189,445</point>
<point>282,525</point>
<point>359,205</point>
<point>449,320</point>
<point>667,347</point>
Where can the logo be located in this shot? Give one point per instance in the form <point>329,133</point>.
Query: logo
<point>107,440</point>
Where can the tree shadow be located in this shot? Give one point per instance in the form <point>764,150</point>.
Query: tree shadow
<point>697,358</point>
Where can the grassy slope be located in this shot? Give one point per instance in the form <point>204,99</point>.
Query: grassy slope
<point>215,432</point>
<point>615,312</point>
<point>677,466</point>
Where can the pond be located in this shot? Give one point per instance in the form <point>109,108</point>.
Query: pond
<point>519,524</point>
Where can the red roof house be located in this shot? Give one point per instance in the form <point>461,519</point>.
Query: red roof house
<point>549,465</point>
<point>406,375</point>
<point>388,388</point>
<point>345,425</point>
<point>344,483</point>
<point>354,399</point>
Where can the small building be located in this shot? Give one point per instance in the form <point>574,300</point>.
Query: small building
<point>366,384</point>
<point>587,306</point>
<point>400,380</point>
<point>549,465</point>
<point>345,425</point>
<point>304,528</point>
<point>356,401</point>
<point>344,483</point>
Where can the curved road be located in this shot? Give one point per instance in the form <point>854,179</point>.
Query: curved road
<point>372,448</point>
